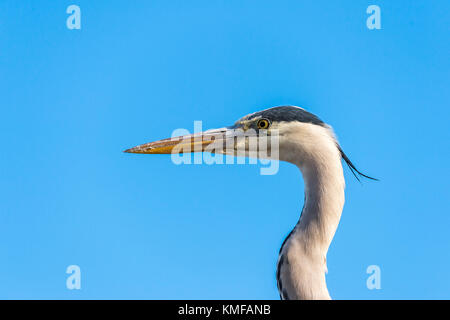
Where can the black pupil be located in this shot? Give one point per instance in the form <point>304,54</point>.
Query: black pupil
<point>263,123</point>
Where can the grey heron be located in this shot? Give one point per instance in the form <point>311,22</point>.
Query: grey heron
<point>307,142</point>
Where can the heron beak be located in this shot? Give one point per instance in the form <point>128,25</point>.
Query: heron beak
<point>197,142</point>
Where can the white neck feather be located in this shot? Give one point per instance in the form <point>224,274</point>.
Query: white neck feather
<point>303,273</point>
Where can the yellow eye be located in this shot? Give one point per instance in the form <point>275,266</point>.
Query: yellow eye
<point>263,124</point>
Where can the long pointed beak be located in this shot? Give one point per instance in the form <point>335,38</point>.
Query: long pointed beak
<point>197,142</point>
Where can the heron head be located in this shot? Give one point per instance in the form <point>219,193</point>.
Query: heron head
<point>286,133</point>
<point>276,133</point>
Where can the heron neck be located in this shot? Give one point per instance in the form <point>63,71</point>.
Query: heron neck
<point>324,201</point>
<point>312,236</point>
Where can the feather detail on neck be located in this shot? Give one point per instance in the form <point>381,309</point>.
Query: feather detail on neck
<point>302,273</point>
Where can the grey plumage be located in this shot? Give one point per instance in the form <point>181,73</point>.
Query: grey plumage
<point>288,114</point>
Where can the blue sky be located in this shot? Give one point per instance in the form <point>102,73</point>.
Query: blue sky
<point>141,227</point>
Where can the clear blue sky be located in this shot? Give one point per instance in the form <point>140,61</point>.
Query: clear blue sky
<point>141,227</point>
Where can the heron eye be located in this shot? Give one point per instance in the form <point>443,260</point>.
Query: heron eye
<point>263,124</point>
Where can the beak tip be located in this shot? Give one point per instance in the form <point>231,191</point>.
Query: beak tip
<point>129,150</point>
<point>137,149</point>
